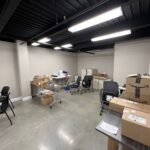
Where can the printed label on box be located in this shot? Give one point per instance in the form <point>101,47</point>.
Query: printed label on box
<point>137,119</point>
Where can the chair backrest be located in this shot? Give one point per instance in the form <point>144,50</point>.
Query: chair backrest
<point>4,104</point>
<point>87,81</point>
<point>111,87</point>
<point>78,80</point>
<point>5,91</point>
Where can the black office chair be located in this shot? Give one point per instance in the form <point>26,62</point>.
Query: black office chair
<point>110,89</point>
<point>4,104</point>
<point>5,92</point>
<point>75,85</point>
<point>87,83</point>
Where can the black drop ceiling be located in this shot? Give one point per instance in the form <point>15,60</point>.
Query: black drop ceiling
<point>30,20</point>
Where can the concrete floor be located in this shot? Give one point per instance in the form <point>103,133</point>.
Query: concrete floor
<point>67,126</point>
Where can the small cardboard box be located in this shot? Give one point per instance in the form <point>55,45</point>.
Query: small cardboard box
<point>138,88</point>
<point>47,98</point>
<point>118,105</point>
<point>136,125</point>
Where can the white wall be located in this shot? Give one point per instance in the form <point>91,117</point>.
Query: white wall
<point>8,68</point>
<point>47,61</point>
<point>103,61</point>
<point>23,69</point>
<point>131,57</point>
<point>41,61</point>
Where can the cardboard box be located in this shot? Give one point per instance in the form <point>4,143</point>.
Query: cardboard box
<point>47,99</point>
<point>138,88</point>
<point>118,105</point>
<point>136,125</point>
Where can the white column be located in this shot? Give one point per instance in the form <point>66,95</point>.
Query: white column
<point>23,69</point>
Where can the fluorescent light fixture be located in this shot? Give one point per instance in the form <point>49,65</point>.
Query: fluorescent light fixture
<point>112,35</point>
<point>57,48</point>
<point>66,45</point>
<point>44,40</point>
<point>109,15</point>
<point>35,44</point>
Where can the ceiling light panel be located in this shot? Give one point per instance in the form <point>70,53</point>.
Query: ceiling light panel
<point>66,45</point>
<point>44,40</point>
<point>35,44</point>
<point>57,48</point>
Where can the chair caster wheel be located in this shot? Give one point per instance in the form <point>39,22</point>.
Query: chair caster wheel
<point>60,102</point>
<point>51,107</point>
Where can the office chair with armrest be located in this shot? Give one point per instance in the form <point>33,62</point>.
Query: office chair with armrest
<point>75,85</point>
<point>4,104</point>
<point>110,89</point>
<point>5,92</point>
<point>87,83</point>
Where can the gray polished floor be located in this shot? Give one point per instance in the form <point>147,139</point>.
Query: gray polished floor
<point>67,126</point>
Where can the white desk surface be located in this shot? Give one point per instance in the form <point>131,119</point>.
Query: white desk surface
<point>61,77</point>
<point>122,88</point>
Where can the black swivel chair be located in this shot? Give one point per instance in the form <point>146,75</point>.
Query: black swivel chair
<point>110,89</point>
<point>5,92</point>
<point>75,85</point>
<point>87,83</point>
<point>4,104</point>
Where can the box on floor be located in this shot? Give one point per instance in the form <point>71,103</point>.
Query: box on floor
<point>47,98</point>
<point>136,125</point>
<point>138,88</point>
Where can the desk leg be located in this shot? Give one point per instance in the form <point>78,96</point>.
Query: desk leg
<point>126,148</point>
<point>112,144</point>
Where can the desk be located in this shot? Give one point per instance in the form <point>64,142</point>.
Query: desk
<point>121,90</point>
<point>58,78</point>
<point>115,119</point>
<point>100,81</point>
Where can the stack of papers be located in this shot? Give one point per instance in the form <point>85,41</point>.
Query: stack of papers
<point>108,127</point>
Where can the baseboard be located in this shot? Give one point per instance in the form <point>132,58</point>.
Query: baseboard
<point>16,99</point>
<point>27,98</point>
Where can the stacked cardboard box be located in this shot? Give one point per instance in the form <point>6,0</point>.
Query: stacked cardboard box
<point>138,88</point>
<point>118,105</point>
<point>136,125</point>
<point>41,81</point>
<point>135,119</point>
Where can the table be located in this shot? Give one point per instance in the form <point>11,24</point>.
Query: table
<point>114,118</point>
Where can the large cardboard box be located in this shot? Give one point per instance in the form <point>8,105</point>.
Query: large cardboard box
<point>41,81</point>
<point>118,105</point>
<point>136,125</point>
<point>38,81</point>
<point>138,88</point>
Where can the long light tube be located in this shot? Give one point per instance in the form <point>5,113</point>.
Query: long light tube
<point>112,35</point>
<point>109,15</point>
